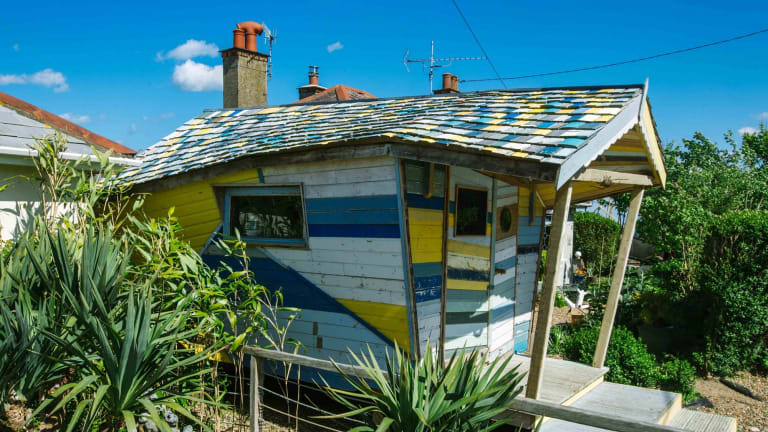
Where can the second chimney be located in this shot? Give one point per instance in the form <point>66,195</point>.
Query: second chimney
<point>245,69</point>
<point>314,86</point>
<point>450,84</point>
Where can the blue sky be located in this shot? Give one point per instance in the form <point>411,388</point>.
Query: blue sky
<point>101,65</point>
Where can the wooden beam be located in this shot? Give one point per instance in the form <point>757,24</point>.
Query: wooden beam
<point>256,372</point>
<point>610,178</point>
<point>552,277</point>
<point>405,238</point>
<point>618,278</point>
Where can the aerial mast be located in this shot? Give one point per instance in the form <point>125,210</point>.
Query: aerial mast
<point>434,62</point>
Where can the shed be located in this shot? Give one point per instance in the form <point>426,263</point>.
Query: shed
<point>404,220</point>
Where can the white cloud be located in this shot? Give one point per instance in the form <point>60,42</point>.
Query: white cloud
<point>167,115</point>
<point>76,118</point>
<point>197,77</point>
<point>335,46</point>
<point>190,49</point>
<point>145,117</point>
<point>132,128</point>
<point>16,47</point>
<point>763,115</point>
<point>46,78</point>
<point>747,130</point>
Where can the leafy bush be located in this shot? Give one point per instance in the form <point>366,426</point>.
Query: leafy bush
<point>597,238</point>
<point>560,300</point>
<point>628,359</point>
<point>733,294</point>
<point>678,376</point>
<point>422,396</point>
<point>557,338</point>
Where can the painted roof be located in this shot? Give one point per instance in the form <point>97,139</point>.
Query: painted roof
<point>22,122</point>
<point>338,93</point>
<point>545,125</point>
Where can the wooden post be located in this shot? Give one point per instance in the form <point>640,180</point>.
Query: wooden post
<point>552,276</point>
<point>618,278</point>
<point>257,364</point>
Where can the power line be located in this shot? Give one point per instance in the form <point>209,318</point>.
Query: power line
<point>469,27</point>
<point>655,56</point>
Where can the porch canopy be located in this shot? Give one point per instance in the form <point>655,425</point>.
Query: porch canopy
<point>567,144</point>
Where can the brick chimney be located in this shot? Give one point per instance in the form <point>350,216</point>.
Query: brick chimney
<point>313,87</point>
<point>450,84</point>
<point>245,69</point>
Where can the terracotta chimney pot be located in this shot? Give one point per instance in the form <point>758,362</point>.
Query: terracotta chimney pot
<point>455,82</point>
<point>239,38</point>
<point>447,80</point>
<point>252,29</point>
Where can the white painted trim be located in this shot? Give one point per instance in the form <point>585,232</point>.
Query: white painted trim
<point>15,151</point>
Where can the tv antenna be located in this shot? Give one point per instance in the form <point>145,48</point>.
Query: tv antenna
<point>269,38</point>
<point>434,62</point>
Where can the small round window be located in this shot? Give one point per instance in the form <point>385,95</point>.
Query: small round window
<point>505,220</point>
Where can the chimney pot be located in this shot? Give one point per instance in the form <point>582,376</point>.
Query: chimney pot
<point>239,38</point>
<point>251,29</point>
<point>314,75</point>
<point>455,82</point>
<point>447,80</point>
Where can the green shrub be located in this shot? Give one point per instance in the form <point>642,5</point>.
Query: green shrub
<point>557,338</point>
<point>597,238</point>
<point>560,300</point>
<point>628,358</point>
<point>467,394</point>
<point>678,376</point>
<point>732,299</point>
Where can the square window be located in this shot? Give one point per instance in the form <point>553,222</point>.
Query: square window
<point>268,214</point>
<point>471,211</point>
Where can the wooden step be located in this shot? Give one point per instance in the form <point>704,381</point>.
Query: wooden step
<point>632,403</point>
<point>700,421</point>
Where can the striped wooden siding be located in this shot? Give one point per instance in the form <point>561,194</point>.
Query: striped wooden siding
<point>354,248</point>
<point>502,299</point>
<point>195,205</point>
<point>468,278</point>
<point>528,237</point>
<point>425,234</point>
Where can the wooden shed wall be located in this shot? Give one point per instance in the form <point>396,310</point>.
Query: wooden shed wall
<point>468,272</point>
<point>530,224</point>
<point>502,298</point>
<point>354,251</point>
<point>425,232</point>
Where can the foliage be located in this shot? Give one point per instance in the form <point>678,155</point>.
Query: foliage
<point>734,290</point>
<point>679,376</point>
<point>422,395</point>
<point>560,300</point>
<point>597,237</point>
<point>557,337</point>
<point>113,309</point>
<point>628,359</point>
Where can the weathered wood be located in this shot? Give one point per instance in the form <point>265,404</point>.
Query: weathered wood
<point>444,259</point>
<point>257,371</point>
<point>609,178</point>
<point>596,419</point>
<point>552,277</point>
<point>303,360</point>
<point>410,291</point>
<point>618,278</point>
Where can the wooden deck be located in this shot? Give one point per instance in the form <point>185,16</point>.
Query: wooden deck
<point>564,381</point>
<point>582,386</point>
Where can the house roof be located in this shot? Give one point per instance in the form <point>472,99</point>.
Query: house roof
<point>338,93</point>
<point>566,128</point>
<point>22,122</point>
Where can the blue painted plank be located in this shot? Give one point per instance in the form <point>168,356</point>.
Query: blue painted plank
<point>427,288</point>
<point>418,201</point>
<point>506,264</point>
<point>427,269</point>
<point>466,274</point>
<point>352,203</point>
<point>362,230</point>
<point>527,249</point>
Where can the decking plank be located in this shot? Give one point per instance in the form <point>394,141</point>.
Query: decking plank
<point>703,422</point>
<point>562,379</point>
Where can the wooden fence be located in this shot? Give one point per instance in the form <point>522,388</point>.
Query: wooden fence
<point>521,404</point>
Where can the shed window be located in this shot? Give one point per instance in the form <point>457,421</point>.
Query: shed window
<point>268,214</point>
<point>471,211</point>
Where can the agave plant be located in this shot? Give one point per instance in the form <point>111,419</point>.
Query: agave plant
<point>467,394</point>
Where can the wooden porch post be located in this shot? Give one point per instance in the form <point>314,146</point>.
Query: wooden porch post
<point>552,277</point>
<point>618,278</point>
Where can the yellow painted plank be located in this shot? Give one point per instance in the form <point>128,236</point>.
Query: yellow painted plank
<point>418,216</point>
<point>463,248</point>
<point>390,320</point>
<point>457,284</point>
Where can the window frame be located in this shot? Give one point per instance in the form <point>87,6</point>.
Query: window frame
<point>456,212</point>
<point>296,189</point>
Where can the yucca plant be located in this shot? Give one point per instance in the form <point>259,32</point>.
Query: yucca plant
<point>467,394</point>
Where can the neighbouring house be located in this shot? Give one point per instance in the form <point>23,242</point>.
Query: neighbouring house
<point>314,92</point>
<point>21,123</point>
<point>413,220</point>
